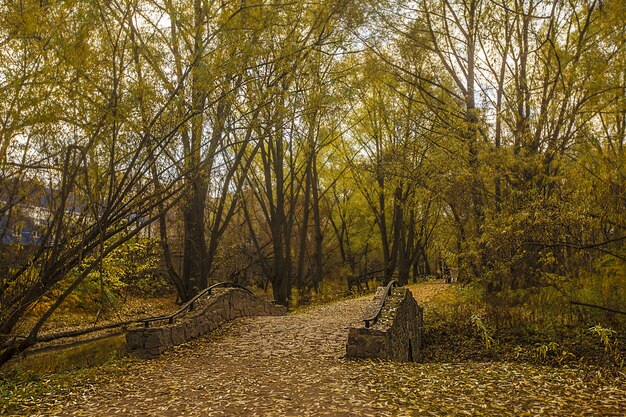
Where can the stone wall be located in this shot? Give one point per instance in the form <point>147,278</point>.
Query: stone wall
<point>209,314</point>
<point>396,334</point>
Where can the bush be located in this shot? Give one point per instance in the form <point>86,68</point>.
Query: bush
<point>132,268</point>
<point>536,325</point>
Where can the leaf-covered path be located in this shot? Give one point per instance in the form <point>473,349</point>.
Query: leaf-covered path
<point>294,366</point>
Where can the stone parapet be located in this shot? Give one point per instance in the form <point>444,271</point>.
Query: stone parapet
<point>209,314</point>
<point>397,332</point>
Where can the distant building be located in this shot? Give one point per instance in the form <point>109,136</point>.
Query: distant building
<point>25,227</point>
<point>24,212</point>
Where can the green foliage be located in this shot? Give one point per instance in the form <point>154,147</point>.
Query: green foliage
<point>606,336</point>
<point>482,330</point>
<point>134,267</point>
<point>139,267</point>
<point>612,346</point>
<point>543,350</point>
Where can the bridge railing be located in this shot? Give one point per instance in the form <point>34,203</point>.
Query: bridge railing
<point>189,305</point>
<point>372,317</point>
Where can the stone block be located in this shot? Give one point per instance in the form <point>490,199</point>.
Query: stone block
<point>360,342</point>
<point>154,338</point>
<point>191,330</point>
<point>152,353</point>
<point>134,340</point>
<point>237,309</point>
<point>177,334</point>
<point>203,325</point>
<point>351,351</point>
<point>375,346</point>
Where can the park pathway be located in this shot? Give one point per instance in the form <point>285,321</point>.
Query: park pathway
<point>294,366</point>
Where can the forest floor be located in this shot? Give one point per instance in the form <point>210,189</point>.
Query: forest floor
<point>295,366</point>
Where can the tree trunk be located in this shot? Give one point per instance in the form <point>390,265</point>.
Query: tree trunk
<point>194,249</point>
<point>317,224</point>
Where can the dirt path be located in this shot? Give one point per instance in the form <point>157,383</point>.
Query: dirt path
<point>294,366</point>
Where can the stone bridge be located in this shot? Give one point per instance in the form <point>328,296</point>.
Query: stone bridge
<point>208,314</point>
<point>392,328</point>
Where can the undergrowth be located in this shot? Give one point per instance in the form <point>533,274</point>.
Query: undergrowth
<point>83,355</point>
<point>460,324</point>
